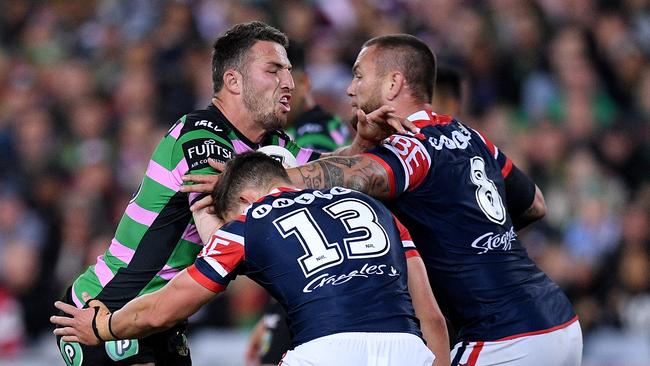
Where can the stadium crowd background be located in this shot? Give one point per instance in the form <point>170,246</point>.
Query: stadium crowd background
<point>87,88</point>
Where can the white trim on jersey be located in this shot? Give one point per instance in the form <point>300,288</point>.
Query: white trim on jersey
<point>408,244</point>
<point>216,266</point>
<point>401,157</point>
<point>419,115</point>
<point>407,177</point>
<point>479,135</point>
<point>496,149</point>
<point>231,237</point>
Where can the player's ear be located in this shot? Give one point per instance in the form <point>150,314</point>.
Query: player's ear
<point>248,196</point>
<point>232,81</point>
<point>395,81</point>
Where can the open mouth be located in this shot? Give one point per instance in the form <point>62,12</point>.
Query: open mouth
<point>284,102</point>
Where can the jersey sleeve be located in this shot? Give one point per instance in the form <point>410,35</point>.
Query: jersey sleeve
<point>302,155</point>
<point>504,162</point>
<point>406,160</point>
<point>407,243</point>
<point>197,141</point>
<point>217,263</point>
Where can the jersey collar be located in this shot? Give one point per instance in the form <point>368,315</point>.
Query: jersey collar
<point>276,192</point>
<point>427,117</point>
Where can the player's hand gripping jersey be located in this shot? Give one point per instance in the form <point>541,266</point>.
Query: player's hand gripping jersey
<point>156,237</point>
<point>335,259</point>
<point>450,180</point>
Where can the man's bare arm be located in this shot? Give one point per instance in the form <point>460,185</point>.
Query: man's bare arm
<point>432,322</point>
<point>372,128</point>
<point>206,223</point>
<point>142,316</point>
<point>359,172</point>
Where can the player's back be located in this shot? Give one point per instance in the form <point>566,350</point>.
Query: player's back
<point>334,260</point>
<point>451,187</point>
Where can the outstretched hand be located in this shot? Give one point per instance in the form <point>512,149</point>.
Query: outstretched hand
<point>203,183</point>
<point>79,327</point>
<point>381,123</point>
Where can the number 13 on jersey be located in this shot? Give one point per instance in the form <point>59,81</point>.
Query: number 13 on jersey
<point>368,238</point>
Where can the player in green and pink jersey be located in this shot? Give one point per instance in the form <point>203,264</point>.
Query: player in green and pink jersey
<point>156,237</point>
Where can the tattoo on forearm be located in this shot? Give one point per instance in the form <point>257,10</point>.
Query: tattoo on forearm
<point>362,174</point>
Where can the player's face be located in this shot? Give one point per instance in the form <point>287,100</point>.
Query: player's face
<point>268,85</point>
<point>365,87</point>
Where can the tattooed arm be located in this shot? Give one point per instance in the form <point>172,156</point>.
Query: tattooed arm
<point>357,172</point>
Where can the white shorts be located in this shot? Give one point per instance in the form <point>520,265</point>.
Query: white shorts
<point>560,347</point>
<point>361,349</point>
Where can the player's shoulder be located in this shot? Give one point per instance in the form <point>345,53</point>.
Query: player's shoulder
<point>210,120</point>
<point>283,200</point>
<point>205,134</point>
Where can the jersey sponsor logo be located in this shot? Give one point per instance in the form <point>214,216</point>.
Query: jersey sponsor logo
<point>208,125</point>
<point>198,151</point>
<point>71,352</point>
<point>414,157</point>
<point>121,349</point>
<point>490,241</point>
<point>304,199</point>
<point>459,140</point>
<point>366,271</point>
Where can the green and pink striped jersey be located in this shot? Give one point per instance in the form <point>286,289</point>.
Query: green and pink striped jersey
<point>156,237</point>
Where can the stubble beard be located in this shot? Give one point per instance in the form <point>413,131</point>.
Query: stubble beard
<point>372,104</point>
<point>269,120</point>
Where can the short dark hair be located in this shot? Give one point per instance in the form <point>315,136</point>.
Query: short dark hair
<point>412,57</point>
<point>251,169</point>
<point>230,48</point>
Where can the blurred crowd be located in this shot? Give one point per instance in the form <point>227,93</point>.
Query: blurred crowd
<point>88,87</point>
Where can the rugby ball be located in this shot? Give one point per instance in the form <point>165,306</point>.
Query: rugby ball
<point>280,154</point>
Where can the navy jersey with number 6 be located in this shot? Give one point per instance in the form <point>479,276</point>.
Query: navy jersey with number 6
<point>334,259</point>
<point>450,183</point>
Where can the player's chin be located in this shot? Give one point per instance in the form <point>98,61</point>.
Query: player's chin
<point>278,121</point>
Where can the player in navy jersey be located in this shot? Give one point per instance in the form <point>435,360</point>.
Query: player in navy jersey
<point>463,201</point>
<point>342,266</point>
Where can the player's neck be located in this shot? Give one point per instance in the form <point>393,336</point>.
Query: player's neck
<point>240,118</point>
<point>405,105</point>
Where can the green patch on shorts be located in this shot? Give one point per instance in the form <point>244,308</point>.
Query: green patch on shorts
<point>120,349</point>
<point>71,353</point>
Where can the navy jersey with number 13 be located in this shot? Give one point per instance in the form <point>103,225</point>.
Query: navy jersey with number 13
<point>334,259</point>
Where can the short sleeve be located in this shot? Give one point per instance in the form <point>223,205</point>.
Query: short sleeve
<point>406,161</point>
<point>216,265</point>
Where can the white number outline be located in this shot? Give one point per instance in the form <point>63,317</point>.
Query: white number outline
<point>323,248</point>
<point>485,189</point>
<point>287,226</point>
<point>348,217</point>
